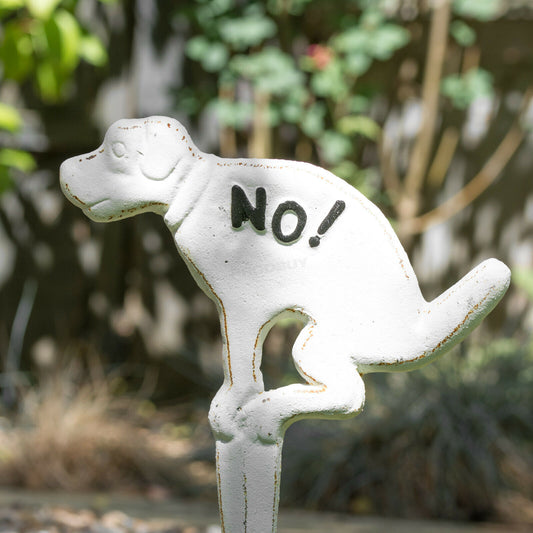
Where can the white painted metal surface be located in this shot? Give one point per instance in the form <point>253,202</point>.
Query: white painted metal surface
<point>266,239</point>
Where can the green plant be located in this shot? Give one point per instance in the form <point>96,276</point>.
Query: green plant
<point>451,441</point>
<point>42,42</point>
<point>295,80</point>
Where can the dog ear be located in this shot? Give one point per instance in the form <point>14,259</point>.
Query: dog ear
<point>161,151</point>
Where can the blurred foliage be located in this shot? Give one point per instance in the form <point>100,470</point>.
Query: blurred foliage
<point>309,86</point>
<point>446,441</point>
<point>270,70</point>
<point>42,42</point>
<point>464,89</point>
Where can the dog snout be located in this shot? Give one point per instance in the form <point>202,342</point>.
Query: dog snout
<point>71,179</point>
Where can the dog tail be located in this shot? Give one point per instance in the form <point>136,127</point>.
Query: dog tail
<point>448,319</point>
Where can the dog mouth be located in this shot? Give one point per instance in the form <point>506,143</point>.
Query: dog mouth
<point>89,207</point>
<point>78,202</point>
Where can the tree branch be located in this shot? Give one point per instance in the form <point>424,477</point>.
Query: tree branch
<point>438,38</point>
<point>485,177</point>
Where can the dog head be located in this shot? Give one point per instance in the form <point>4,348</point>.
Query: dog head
<point>138,168</point>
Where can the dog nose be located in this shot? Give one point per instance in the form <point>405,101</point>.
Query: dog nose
<point>65,171</point>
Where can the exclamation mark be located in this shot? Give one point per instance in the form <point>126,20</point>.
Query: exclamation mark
<point>333,214</point>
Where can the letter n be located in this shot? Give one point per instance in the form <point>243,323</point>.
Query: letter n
<point>242,210</point>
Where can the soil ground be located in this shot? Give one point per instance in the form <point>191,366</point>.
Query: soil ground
<point>53,512</point>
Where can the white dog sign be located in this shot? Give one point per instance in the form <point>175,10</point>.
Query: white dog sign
<point>266,239</point>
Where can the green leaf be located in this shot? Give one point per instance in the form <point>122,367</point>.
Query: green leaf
<point>352,40</point>
<point>313,120</point>
<point>462,33</point>
<point>92,50</point>
<point>292,112</point>
<point>215,57</point>
<point>483,10</point>
<point>48,82</point>
<point>359,125</point>
<point>234,114</point>
<point>523,278</point>
<point>357,63</point>
<point>6,183</point>
<point>387,39</point>
<point>69,33</point>
<point>10,118</point>
<point>334,146</point>
<point>346,170</point>
<point>11,5</point>
<point>330,82</point>
<point>271,71</point>
<point>16,52</point>
<point>197,47</point>
<point>359,104</point>
<point>18,159</point>
<point>463,90</point>
<point>41,9</point>
<point>247,31</point>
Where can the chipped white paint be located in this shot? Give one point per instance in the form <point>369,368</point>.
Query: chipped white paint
<point>266,239</point>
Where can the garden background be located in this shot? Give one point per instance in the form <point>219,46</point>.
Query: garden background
<point>110,354</point>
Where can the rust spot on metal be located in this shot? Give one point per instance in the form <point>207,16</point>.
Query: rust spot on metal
<point>101,151</point>
<point>76,198</point>
<point>245,503</point>
<point>219,491</point>
<point>168,124</point>
<point>91,156</point>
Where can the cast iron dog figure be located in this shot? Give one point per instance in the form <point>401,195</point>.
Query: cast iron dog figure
<point>268,238</point>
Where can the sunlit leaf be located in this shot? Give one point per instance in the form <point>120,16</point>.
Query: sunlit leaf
<point>9,5</point>
<point>197,47</point>
<point>247,31</point>
<point>359,125</point>
<point>463,33</point>
<point>41,9</point>
<point>215,57</point>
<point>523,278</point>
<point>92,50</point>
<point>47,82</point>
<point>464,89</point>
<point>271,71</point>
<point>479,9</point>
<point>10,118</point>
<point>352,40</point>
<point>313,120</point>
<point>18,159</point>
<point>330,82</point>
<point>16,51</point>
<point>69,35</point>
<point>387,39</point>
<point>234,114</point>
<point>334,146</point>
<point>358,63</point>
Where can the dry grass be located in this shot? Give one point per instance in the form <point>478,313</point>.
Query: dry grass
<point>76,433</point>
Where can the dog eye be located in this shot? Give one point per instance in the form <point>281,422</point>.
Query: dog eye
<point>119,149</point>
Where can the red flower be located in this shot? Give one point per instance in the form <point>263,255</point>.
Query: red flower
<point>321,55</point>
